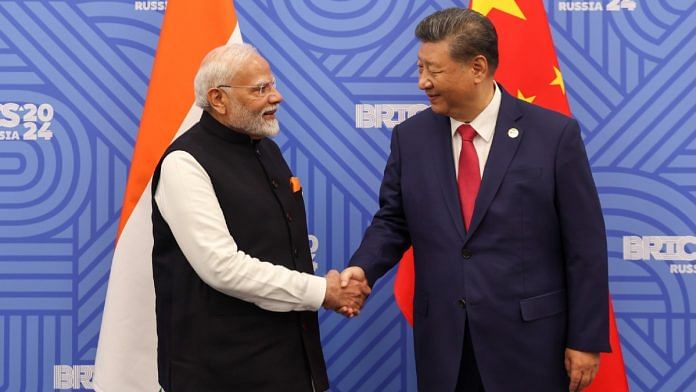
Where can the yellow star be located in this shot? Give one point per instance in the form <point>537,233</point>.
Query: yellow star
<point>527,99</point>
<point>559,80</point>
<point>507,6</point>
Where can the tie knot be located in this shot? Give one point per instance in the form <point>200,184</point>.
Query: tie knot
<point>467,132</point>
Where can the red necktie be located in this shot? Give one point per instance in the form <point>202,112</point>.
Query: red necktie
<point>469,179</point>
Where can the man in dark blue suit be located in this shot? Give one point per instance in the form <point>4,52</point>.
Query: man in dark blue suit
<point>497,199</point>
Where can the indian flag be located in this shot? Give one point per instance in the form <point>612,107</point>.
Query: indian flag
<point>127,351</point>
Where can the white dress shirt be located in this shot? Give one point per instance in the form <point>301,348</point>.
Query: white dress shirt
<point>187,202</point>
<point>484,125</point>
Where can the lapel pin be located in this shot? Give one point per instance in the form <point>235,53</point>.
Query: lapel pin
<point>513,133</point>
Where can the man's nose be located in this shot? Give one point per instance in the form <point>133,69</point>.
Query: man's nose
<point>424,82</point>
<point>275,96</point>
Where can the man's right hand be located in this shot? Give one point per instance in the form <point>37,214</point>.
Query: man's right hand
<point>352,273</point>
<point>346,299</point>
<point>351,276</point>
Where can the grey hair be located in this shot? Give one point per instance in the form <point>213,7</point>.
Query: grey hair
<point>218,67</point>
<point>472,34</point>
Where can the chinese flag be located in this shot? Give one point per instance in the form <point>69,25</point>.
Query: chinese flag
<point>529,69</point>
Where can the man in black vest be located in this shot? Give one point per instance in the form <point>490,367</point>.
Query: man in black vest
<point>236,297</point>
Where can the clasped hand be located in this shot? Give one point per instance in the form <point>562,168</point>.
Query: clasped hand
<point>346,292</point>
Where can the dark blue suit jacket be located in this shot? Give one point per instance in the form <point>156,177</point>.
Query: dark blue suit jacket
<point>530,274</point>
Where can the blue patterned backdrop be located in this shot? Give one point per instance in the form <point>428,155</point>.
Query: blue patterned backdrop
<point>73,78</point>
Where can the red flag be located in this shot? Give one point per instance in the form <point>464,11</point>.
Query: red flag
<point>404,287</point>
<point>529,70</point>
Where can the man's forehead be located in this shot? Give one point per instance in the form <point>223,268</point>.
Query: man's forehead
<point>435,53</point>
<point>430,52</point>
<point>256,70</point>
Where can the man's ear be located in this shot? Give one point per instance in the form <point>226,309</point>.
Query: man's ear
<point>216,101</point>
<point>479,68</point>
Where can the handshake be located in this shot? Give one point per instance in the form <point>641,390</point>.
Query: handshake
<point>346,292</point>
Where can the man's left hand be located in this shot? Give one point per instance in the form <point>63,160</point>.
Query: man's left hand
<point>581,367</point>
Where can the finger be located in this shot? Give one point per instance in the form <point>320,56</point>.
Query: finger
<point>582,383</point>
<point>333,276</point>
<point>346,275</point>
<point>355,304</point>
<point>586,380</point>
<point>575,376</point>
<point>361,288</point>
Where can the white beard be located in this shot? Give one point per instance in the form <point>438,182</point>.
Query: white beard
<point>253,124</point>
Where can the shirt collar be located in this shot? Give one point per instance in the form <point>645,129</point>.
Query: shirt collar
<point>484,123</point>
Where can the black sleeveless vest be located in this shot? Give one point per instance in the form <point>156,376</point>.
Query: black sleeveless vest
<point>208,341</point>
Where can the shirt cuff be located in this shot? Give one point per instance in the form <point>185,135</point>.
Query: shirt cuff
<point>316,291</point>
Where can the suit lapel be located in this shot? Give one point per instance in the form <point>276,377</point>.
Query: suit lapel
<point>502,151</point>
<point>443,165</point>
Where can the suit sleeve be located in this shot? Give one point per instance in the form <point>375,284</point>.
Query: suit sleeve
<point>387,237</point>
<point>584,245</point>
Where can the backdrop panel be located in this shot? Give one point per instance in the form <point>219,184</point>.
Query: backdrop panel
<point>73,80</point>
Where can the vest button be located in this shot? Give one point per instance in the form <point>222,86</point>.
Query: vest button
<point>295,252</point>
<point>466,253</point>
<point>274,183</point>
<point>462,303</point>
<point>288,217</point>
<point>258,152</point>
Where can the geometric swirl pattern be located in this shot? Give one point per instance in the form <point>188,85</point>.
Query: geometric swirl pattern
<point>630,79</point>
<point>656,310</point>
<point>60,199</point>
